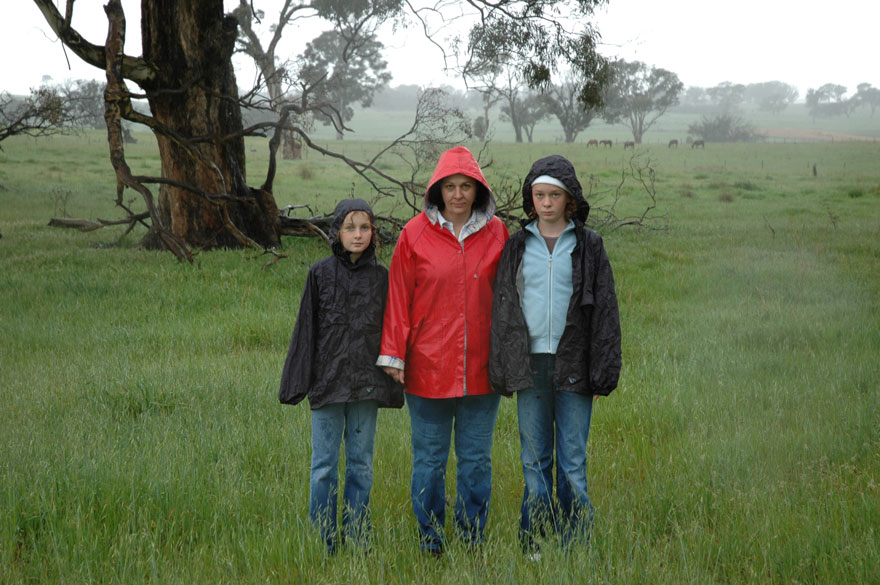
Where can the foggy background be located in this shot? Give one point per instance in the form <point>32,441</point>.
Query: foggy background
<point>804,43</point>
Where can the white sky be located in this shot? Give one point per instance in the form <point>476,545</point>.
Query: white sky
<point>806,43</point>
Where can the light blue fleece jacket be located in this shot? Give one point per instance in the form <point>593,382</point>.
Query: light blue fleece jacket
<point>546,286</point>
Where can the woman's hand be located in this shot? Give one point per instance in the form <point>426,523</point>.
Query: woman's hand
<point>395,373</point>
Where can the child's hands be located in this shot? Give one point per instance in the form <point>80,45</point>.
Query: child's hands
<point>395,373</point>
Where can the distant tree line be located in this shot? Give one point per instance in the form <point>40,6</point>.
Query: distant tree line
<point>636,95</point>
<point>830,100</point>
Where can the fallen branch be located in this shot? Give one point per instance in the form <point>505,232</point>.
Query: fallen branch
<point>294,226</point>
<point>88,225</point>
<point>277,256</point>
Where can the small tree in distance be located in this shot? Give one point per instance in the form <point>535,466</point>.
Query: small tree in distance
<point>828,101</point>
<point>867,95</point>
<point>43,113</point>
<point>343,68</point>
<point>727,96</point>
<point>638,95</point>
<point>531,110</point>
<point>771,96</point>
<point>563,102</point>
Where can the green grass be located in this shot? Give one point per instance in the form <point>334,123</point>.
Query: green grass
<point>372,123</point>
<point>142,440</point>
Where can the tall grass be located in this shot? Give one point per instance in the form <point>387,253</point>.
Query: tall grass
<point>142,440</point>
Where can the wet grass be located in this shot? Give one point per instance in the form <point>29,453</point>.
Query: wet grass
<point>143,442</point>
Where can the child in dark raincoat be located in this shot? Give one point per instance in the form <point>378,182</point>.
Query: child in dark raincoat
<point>555,342</point>
<point>332,360</point>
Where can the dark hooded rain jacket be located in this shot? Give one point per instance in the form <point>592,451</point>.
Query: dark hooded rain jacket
<point>588,358</point>
<point>338,330</point>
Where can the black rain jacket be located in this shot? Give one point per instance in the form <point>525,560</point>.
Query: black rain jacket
<point>588,358</point>
<point>336,338</point>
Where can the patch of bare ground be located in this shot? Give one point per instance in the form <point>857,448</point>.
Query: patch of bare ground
<point>815,135</point>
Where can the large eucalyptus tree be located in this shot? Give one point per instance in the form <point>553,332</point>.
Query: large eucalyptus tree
<point>185,72</point>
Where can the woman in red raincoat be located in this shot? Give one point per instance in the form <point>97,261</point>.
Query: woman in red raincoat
<point>435,340</point>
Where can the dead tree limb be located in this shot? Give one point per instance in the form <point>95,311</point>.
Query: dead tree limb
<point>88,225</point>
<point>115,99</point>
<point>603,217</point>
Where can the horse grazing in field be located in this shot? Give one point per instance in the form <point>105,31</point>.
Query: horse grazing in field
<point>699,143</point>
<point>673,143</point>
<point>593,142</point>
<point>607,143</point>
<point>629,144</point>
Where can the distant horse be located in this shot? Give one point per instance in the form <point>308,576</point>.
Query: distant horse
<point>673,143</point>
<point>607,143</point>
<point>699,143</point>
<point>629,144</point>
<point>593,143</point>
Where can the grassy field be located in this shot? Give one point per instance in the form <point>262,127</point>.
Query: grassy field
<point>793,124</point>
<point>142,440</point>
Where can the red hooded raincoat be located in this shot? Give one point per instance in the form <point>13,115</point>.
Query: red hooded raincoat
<point>438,313</point>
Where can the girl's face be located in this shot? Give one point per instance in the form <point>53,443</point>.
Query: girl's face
<point>550,201</point>
<point>355,233</point>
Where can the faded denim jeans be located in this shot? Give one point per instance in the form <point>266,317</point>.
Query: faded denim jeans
<point>551,418</point>
<point>433,421</point>
<point>356,421</point>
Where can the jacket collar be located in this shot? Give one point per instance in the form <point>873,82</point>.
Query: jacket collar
<point>531,226</point>
<point>479,218</point>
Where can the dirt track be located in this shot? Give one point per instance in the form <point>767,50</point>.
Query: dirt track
<point>803,134</point>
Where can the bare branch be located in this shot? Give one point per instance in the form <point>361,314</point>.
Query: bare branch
<point>137,70</point>
<point>87,225</point>
<point>43,113</point>
<point>604,217</point>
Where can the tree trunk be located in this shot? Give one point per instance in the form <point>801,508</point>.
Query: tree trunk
<point>517,125</point>
<point>195,94</point>
<point>291,147</point>
<point>514,118</point>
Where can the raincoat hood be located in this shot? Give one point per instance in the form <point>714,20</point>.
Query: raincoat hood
<point>460,160</point>
<point>560,168</point>
<point>343,208</point>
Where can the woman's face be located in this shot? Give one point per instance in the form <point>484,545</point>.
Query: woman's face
<point>459,192</point>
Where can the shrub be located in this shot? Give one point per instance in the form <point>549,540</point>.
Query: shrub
<point>746,186</point>
<point>723,128</point>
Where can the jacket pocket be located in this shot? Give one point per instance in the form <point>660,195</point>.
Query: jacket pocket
<point>587,309</point>
<point>587,298</point>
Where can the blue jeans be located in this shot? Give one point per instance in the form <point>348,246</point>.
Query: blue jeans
<point>432,422</point>
<point>547,415</point>
<point>357,421</point>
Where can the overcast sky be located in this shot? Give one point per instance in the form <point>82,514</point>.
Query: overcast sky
<point>806,43</point>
